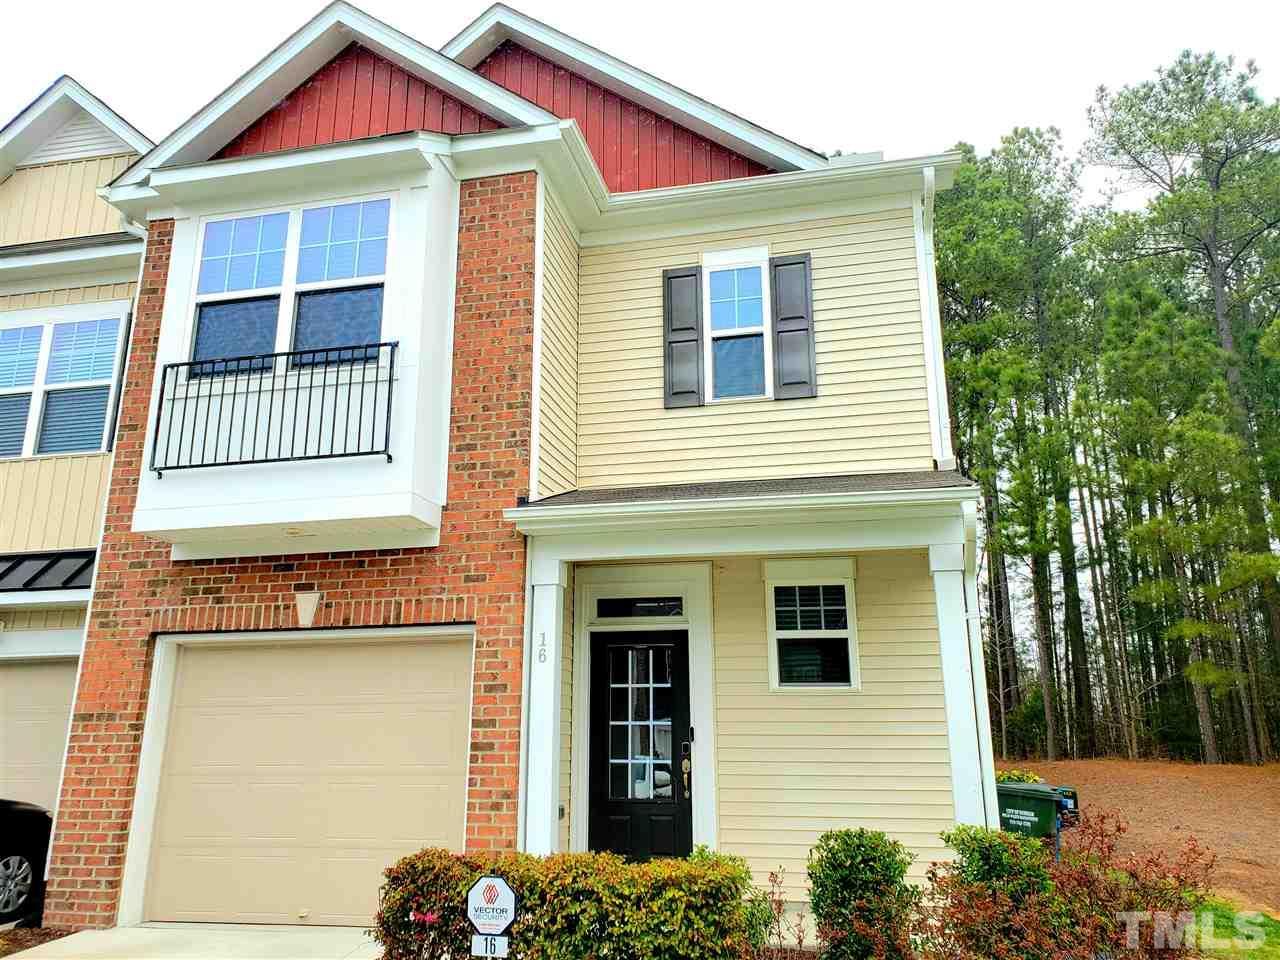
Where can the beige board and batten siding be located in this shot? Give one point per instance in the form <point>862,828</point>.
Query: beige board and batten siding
<point>791,765</point>
<point>56,201</point>
<point>558,386</point>
<point>52,503</point>
<point>871,413</point>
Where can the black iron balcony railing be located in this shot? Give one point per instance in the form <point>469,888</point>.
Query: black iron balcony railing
<point>275,407</point>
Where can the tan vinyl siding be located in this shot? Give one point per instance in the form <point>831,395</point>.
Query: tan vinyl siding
<point>65,295</point>
<point>55,201</point>
<point>52,503</point>
<point>558,391</point>
<point>67,618</point>
<point>790,765</point>
<point>871,413</point>
<point>566,716</point>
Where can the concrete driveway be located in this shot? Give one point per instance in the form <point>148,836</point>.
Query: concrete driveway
<point>204,941</point>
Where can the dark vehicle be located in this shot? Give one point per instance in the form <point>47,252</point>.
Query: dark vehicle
<point>24,841</point>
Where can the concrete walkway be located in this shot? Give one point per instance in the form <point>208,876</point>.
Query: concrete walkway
<point>207,941</point>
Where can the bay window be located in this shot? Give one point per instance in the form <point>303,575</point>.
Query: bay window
<point>308,278</point>
<point>57,378</point>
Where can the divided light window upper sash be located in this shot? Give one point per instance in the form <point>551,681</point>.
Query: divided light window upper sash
<point>280,280</point>
<point>58,373</point>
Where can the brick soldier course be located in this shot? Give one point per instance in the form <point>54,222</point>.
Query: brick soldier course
<point>475,575</point>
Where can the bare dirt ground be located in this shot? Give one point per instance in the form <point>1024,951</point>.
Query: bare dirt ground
<point>13,940</point>
<point>1232,810</point>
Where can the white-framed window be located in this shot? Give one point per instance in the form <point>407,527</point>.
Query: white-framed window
<point>58,368</point>
<point>307,277</point>
<point>736,317</point>
<point>812,625</point>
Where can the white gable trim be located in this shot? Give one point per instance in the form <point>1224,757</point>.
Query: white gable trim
<point>500,23</point>
<point>297,59</point>
<point>50,112</point>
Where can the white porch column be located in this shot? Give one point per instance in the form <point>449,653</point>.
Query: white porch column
<point>946,563</point>
<point>542,778</point>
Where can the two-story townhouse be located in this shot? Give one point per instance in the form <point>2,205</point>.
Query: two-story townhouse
<point>516,451</point>
<point>68,269</point>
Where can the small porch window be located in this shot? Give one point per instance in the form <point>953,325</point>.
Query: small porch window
<point>812,627</point>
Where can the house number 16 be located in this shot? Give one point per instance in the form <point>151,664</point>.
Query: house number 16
<point>542,648</point>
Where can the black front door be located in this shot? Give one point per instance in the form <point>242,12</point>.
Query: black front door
<point>640,744</point>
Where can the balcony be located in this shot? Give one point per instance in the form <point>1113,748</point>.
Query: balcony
<point>293,452</point>
<point>275,408</point>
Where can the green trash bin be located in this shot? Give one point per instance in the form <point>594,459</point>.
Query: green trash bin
<point>1029,808</point>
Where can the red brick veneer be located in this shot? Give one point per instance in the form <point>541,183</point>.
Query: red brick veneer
<point>475,575</point>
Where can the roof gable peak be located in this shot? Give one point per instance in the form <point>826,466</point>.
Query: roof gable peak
<point>501,23</point>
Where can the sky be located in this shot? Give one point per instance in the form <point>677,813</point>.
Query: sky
<point>908,78</point>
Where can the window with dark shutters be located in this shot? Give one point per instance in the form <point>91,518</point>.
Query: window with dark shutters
<point>794,366</point>
<point>682,336</point>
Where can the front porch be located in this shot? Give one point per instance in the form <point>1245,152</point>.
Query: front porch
<point>823,649</point>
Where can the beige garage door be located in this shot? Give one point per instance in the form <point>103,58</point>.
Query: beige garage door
<point>294,774</point>
<point>35,704</point>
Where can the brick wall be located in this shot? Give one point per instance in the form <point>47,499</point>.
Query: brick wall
<point>476,574</point>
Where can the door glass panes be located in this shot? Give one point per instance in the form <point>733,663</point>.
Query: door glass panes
<point>640,733</point>
<point>640,607</point>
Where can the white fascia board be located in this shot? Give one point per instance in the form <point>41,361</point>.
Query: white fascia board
<point>47,114</point>
<point>289,169</point>
<point>95,259</point>
<point>45,598</point>
<point>297,59</point>
<point>500,23</point>
<point>534,519</point>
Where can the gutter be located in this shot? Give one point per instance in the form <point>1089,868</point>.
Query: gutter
<point>534,518</point>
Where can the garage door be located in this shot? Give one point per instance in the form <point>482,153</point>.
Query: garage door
<point>294,774</point>
<point>35,704</point>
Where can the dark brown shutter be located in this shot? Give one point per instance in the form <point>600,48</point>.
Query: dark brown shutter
<point>682,336</point>
<point>794,368</point>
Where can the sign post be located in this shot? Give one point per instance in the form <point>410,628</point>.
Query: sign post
<point>491,908</point>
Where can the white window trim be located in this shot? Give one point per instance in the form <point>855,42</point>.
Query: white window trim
<point>731,260</point>
<point>806,573</point>
<point>47,318</point>
<point>289,288</point>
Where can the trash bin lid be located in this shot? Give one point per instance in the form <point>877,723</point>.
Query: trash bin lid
<point>1030,790</point>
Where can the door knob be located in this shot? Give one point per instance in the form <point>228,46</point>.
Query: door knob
<point>685,767</point>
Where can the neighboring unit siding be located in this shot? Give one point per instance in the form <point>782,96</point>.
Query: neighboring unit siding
<point>56,201</point>
<point>558,392</point>
<point>791,765</point>
<point>52,503</point>
<point>61,296</point>
<point>67,618</point>
<point>871,413</point>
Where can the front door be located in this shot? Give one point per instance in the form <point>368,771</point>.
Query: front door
<point>640,744</point>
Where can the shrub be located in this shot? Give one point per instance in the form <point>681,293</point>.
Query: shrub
<point>1018,776</point>
<point>859,894</point>
<point>571,906</point>
<point>1004,898</point>
<point>1016,865</point>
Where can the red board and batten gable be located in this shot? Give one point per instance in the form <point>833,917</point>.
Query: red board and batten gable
<point>634,148</point>
<point>356,94</point>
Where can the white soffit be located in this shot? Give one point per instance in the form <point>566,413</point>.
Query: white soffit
<point>62,106</point>
<point>500,23</point>
<point>289,65</point>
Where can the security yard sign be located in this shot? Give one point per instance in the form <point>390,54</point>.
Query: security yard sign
<point>491,908</point>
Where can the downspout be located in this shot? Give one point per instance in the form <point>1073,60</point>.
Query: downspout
<point>521,801</point>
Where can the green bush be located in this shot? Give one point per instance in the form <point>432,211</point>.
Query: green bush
<point>1018,776</point>
<point>858,891</point>
<point>572,906</point>
<point>1011,863</point>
